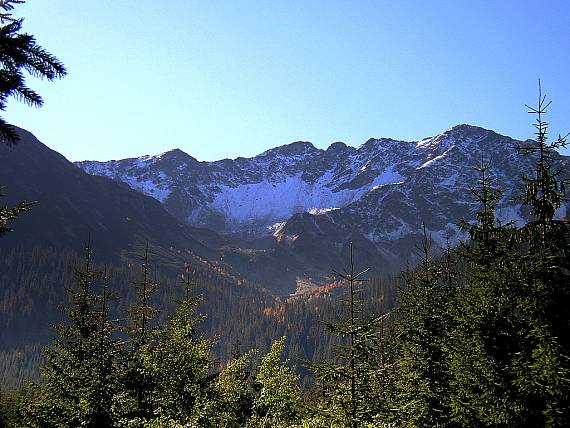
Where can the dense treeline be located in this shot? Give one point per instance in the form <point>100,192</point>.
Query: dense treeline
<point>33,284</point>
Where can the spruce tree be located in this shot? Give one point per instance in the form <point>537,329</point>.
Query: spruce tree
<point>544,365</point>
<point>352,385</point>
<point>422,327</point>
<point>108,351</point>
<point>135,403</point>
<point>7,214</point>
<point>181,362</point>
<point>486,334</point>
<point>79,376</point>
<point>230,396</point>
<point>278,403</point>
<point>21,55</point>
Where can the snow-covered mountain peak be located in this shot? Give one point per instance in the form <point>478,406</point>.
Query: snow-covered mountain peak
<point>383,144</point>
<point>337,146</point>
<point>462,133</point>
<point>384,186</point>
<point>297,148</point>
<point>177,154</point>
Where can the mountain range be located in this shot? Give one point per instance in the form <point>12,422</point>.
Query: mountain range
<point>294,208</point>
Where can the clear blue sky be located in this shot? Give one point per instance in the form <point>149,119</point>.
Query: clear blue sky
<point>233,78</point>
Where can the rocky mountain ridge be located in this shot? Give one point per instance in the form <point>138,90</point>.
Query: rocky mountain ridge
<point>385,189</point>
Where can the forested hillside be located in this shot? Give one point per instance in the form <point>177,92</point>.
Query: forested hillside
<point>33,290</point>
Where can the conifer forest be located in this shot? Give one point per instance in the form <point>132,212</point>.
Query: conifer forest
<point>474,333</point>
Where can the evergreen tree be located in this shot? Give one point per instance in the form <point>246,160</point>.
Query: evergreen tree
<point>135,403</point>
<point>8,214</point>
<point>229,400</point>
<point>278,403</point>
<point>11,403</point>
<point>20,54</point>
<point>181,362</point>
<point>544,364</point>
<point>79,377</point>
<point>352,385</point>
<point>486,334</point>
<point>422,328</point>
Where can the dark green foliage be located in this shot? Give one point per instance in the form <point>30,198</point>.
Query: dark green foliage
<point>29,309</point>
<point>352,385</point>
<point>544,363</point>
<point>20,54</point>
<point>235,313</point>
<point>10,404</point>
<point>482,332</point>
<point>8,214</point>
<point>489,239</point>
<point>423,328</point>
<point>480,337</point>
<point>486,336</point>
<point>230,395</point>
<point>79,375</point>
<point>279,402</point>
<point>7,6</point>
<point>140,329</point>
<point>181,363</point>
<point>138,379</point>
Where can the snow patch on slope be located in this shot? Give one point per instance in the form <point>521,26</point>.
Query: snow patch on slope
<point>270,201</point>
<point>159,191</point>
